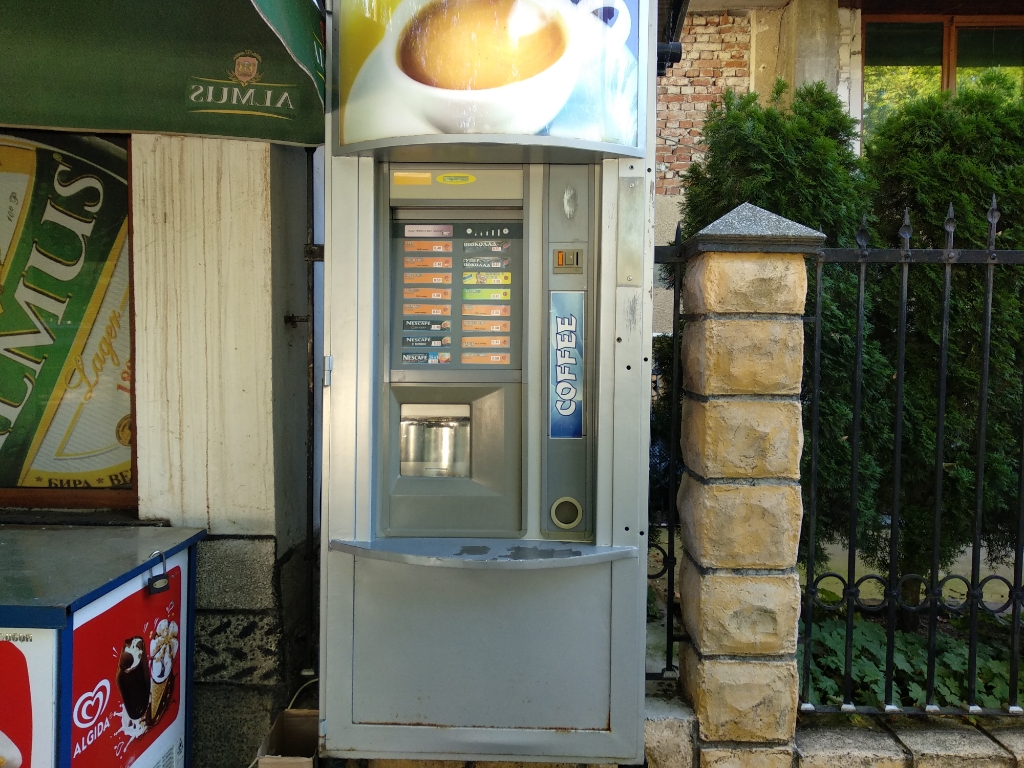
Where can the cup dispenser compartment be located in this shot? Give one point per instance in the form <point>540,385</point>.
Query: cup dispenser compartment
<point>455,460</point>
<point>434,440</point>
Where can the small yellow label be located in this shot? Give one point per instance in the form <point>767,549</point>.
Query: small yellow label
<point>456,178</point>
<point>412,178</point>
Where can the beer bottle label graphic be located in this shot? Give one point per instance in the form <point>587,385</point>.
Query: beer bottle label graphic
<point>65,346</point>
<point>15,709</point>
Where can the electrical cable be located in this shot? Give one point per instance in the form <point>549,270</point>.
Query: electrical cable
<point>301,689</point>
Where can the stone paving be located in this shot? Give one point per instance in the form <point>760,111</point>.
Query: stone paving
<point>838,741</point>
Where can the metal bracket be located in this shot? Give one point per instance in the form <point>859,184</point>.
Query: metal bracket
<point>313,252</point>
<point>668,53</point>
<point>328,367</point>
<point>294,320</point>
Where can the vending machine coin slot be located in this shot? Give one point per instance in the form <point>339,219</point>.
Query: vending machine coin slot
<point>567,261</point>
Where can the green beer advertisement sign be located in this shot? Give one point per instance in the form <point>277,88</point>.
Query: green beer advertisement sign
<point>65,345</point>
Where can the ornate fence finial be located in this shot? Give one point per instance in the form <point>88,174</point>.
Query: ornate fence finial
<point>905,230</point>
<point>993,219</point>
<point>949,226</point>
<point>862,234</point>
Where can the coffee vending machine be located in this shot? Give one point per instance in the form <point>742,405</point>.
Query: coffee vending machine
<point>488,276</point>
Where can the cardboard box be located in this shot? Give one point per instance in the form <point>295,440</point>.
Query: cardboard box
<point>292,742</point>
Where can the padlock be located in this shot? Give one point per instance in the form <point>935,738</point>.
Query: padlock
<point>159,582</point>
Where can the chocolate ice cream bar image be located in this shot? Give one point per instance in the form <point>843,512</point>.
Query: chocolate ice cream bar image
<point>133,678</point>
<point>10,755</point>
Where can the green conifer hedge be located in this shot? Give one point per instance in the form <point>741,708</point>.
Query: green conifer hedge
<point>798,163</point>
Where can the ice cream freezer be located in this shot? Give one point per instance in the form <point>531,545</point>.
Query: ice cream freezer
<point>96,646</point>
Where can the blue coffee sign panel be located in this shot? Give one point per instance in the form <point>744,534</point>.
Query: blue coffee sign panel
<point>567,373</point>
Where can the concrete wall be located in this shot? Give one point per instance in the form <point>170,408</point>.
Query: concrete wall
<point>203,332</point>
<point>219,229</point>
<point>851,64</point>
<point>798,42</point>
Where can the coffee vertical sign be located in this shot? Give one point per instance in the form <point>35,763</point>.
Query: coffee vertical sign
<point>565,69</point>
<point>65,346</point>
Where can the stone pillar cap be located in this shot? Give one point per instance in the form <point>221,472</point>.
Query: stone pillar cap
<point>749,229</point>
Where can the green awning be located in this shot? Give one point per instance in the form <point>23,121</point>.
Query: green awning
<point>236,68</point>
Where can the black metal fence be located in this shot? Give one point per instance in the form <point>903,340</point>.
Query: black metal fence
<point>666,467</point>
<point>961,639</point>
<point>895,587</point>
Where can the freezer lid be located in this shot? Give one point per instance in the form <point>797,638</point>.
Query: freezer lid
<point>47,572</point>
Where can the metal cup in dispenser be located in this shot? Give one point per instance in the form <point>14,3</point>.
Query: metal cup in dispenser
<point>435,440</point>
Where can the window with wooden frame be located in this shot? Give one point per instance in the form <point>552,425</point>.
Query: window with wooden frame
<point>66,344</point>
<point>912,55</point>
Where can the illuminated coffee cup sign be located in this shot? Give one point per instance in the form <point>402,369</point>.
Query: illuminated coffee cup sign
<point>561,68</point>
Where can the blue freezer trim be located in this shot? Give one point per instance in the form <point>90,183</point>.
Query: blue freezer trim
<point>190,647</point>
<point>113,584</point>
<point>64,704</point>
<point>28,617</point>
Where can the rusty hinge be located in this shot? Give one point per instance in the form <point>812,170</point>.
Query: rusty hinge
<point>314,252</point>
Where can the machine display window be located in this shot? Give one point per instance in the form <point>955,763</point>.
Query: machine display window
<point>435,440</point>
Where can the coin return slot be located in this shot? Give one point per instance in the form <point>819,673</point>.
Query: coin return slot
<point>567,261</point>
<point>435,440</point>
<point>566,513</point>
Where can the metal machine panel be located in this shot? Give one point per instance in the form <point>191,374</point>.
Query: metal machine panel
<point>434,647</point>
<point>570,365</point>
<point>486,500</point>
<point>457,295</point>
<point>414,183</point>
<point>491,657</point>
<point>632,226</point>
<point>569,203</point>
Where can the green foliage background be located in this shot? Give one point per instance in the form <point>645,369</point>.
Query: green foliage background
<point>797,162</point>
<point>934,149</point>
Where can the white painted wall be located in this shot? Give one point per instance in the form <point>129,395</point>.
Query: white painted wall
<point>204,309</point>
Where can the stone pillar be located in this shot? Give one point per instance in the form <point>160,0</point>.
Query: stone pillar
<point>739,502</point>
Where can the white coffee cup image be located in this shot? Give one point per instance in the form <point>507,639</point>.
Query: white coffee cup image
<point>10,755</point>
<point>494,66</point>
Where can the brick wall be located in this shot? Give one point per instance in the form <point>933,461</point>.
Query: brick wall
<point>716,56</point>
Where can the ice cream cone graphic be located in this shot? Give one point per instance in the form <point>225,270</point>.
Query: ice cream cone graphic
<point>159,698</point>
<point>163,648</point>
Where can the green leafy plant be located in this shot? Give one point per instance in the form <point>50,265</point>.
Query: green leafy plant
<point>910,664</point>
<point>798,163</point>
<point>662,486</point>
<point>925,154</point>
